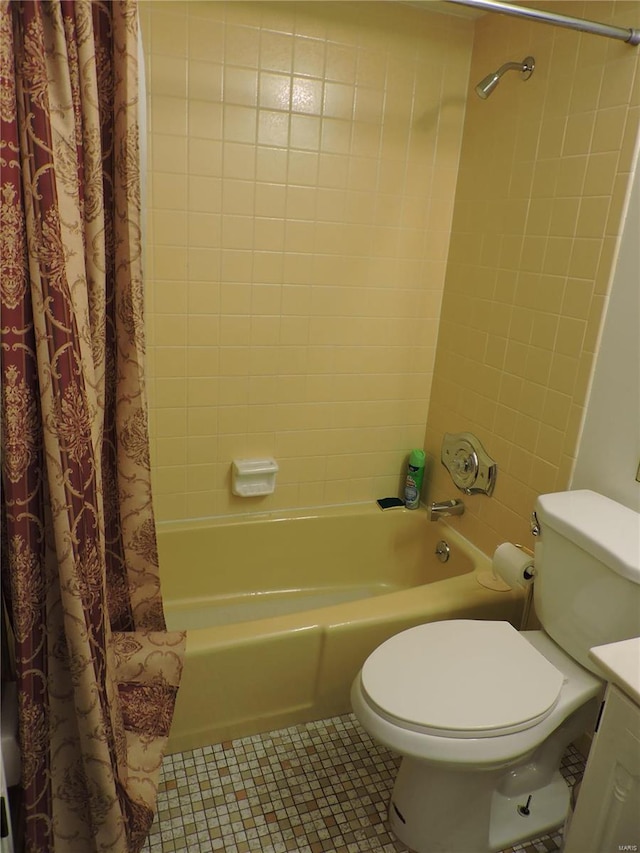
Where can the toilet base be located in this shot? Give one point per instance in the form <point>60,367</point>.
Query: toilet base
<point>437,810</point>
<point>548,810</point>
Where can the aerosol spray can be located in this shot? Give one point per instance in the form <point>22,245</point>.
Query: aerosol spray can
<point>415,475</point>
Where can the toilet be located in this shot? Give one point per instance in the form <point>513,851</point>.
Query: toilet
<point>482,713</point>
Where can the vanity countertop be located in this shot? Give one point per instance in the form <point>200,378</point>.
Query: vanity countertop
<point>621,663</point>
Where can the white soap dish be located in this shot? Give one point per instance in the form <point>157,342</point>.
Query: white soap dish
<point>254,477</point>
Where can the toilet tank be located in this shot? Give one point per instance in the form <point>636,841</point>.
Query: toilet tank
<point>587,559</point>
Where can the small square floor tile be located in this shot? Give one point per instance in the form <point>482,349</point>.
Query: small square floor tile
<point>321,787</point>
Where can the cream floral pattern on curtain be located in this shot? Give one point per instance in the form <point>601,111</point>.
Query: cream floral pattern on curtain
<point>97,670</point>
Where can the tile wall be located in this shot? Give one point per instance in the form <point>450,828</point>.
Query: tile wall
<point>303,159</point>
<point>543,180</point>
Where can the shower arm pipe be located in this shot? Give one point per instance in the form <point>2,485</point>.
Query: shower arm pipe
<point>629,35</point>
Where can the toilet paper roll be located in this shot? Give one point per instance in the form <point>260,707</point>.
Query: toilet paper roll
<point>513,565</point>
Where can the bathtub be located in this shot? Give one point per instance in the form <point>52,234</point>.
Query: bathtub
<point>281,610</point>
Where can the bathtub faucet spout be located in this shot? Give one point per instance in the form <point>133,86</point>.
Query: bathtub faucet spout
<point>443,509</point>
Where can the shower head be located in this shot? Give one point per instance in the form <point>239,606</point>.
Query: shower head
<point>486,86</point>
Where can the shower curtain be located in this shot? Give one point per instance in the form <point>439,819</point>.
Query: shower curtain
<point>97,671</point>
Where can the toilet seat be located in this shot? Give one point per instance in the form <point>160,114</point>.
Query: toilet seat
<point>461,679</point>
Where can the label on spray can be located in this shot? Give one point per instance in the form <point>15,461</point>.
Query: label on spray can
<point>413,482</point>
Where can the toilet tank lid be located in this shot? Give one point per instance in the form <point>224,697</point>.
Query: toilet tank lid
<point>599,525</point>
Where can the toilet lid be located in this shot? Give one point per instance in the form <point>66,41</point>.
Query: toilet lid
<point>461,678</point>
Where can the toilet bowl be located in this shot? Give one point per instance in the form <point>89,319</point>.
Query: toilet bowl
<point>481,715</point>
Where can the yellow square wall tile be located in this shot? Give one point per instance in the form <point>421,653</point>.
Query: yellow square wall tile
<point>520,464</point>
<point>170,362</point>
<point>169,76</point>
<point>205,157</point>
<point>236,267</point>
<point>577,138</point>
<point>203,450</point>
<point>170,392</point>
<point>515,358</point>
<point>204,276</point>
<point>237,232</point>
<point>203,361</point>
<point>202,421</point>
<point>271,164</point>
<point>170,262</point>
<point>244,44</point>
<point>233,390</point>
<point>303,165</point>
<point>601,173</point>
<point>203,504</point>
<point>592,218</point>
<point>169,297</point>
<point>522,320</point>
<point>241,86</point>
<point>169,191</point>
<point>170,330</point>
<point>550,444</point>
<point>563,374</point>
<point>204,80</point>
<point>170,422</point>
<point>168,33</point>
<point>556,410</point>
<point>170,480</point>
<point>205,194</point>
<point>234,361</point>
<point>571,335</point>
<point>170,228</point>
<point>235,330</point>
<point>276,51</point>
<point>170,452</point>
<point>233,420</point>
<point>205,230</point>
<point>268,267</point>
<point>206,37</point>
<point>335,136</point>
<point>239,123</point>
<point>270,199</point>
<point>617,83</point>
<point>306,95</point>
<point>308,54</point>
<point>200,477</point>
<point>238,160</point>
<point>543,475</point>
<point>169,507</point>
<point>557,255</point>
<point>609,129</point>
<point>538,366</point>
<point>266,299</point>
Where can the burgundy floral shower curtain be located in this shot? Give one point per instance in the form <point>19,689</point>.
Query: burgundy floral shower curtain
<point>97,671</point>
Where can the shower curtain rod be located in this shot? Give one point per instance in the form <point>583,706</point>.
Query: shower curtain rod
<point>630,35</point>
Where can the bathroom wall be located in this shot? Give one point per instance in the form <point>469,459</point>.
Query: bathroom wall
<point>543,180</point>
<point>303,159</point>
<point>608,458</point>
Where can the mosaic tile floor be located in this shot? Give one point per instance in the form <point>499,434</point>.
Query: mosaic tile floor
<point>321,787</point>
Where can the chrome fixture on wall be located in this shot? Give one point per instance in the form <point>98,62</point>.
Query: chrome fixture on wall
<point>472,470</point>
<point>445,509</point>
<point>486,86</point>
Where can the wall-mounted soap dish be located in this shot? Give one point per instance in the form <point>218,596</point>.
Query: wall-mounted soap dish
<point>252,478</point>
